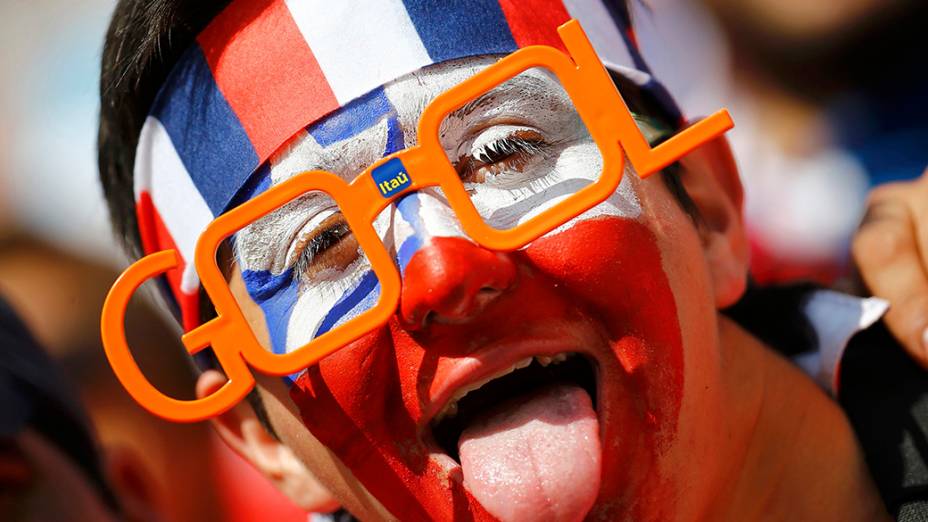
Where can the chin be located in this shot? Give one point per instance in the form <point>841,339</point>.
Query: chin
<point>557,403</point>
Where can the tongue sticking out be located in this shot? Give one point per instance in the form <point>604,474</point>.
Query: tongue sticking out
<point>537,458</point>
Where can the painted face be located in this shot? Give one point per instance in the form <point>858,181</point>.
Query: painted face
<point>547,383</point>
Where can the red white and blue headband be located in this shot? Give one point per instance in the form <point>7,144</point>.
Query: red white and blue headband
<point>263,70</point>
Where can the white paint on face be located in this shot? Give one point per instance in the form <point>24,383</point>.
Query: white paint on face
<point>561,159</point>
<point>533,102</point>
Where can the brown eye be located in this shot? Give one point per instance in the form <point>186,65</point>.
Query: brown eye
<point>508,154</point>
<point>331,246</point>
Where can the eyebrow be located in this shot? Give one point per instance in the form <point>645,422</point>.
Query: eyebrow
<point>510,86</point>
<point>305,204</point>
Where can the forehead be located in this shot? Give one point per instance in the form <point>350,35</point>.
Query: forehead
<point>352,137</point>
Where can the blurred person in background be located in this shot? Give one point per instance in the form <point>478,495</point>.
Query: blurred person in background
<point>832,98</point>
<point>188,471</point>
<point>50,466</point>
<point>56,263</point>
<point>58,295</point>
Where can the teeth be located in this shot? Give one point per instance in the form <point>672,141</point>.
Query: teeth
<point>554,359</point>
<point>451,409</point>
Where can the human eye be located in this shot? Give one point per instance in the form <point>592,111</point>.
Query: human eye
<point>325,251</point>
<point>500,151</point>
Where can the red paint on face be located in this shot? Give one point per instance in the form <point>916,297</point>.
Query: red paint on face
<point>598,287</point>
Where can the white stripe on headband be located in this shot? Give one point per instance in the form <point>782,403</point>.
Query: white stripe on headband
<point>359,49</point>
<point>177,202</point>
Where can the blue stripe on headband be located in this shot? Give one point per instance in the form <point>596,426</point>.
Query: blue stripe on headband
<point>202,128</point>
<point>474,26</point>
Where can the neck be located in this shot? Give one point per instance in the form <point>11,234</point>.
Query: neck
<point>799,457</point>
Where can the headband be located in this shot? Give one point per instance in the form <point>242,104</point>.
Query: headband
<point>263,70</point>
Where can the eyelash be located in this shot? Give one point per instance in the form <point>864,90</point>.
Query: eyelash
<point>521,145</point>
<point>505,147</point>
<point>516,145</point>
<point>318,244</point>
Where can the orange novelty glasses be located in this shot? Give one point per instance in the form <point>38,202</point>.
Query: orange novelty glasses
<point>237,350</point>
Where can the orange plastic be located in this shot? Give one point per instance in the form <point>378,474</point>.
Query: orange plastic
<point>598,103</point>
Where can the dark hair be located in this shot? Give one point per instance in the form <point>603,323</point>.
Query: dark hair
<point>144,40</point>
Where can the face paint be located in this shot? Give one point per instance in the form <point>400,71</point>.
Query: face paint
<point>596,288</point>
<point>297,310</point>
<point>594,285</point>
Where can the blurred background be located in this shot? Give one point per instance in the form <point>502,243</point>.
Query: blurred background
<point>829,99</point>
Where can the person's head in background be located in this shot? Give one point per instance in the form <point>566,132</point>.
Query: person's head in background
<point>819,49</point>
<point>616,388</point>
<point>58,295</point>
<point>835,94</point>
<point>50,467</point>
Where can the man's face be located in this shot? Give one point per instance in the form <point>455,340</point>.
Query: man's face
<point>577,375</point>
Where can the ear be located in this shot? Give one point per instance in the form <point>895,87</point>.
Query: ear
<point>132,485</point>
<point>711,179</point>
<point>243,432</point>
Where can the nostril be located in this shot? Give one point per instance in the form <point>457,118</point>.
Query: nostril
<point>427,318</point>
<point>487,294</point>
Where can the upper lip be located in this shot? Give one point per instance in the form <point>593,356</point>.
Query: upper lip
<point>489,361</point>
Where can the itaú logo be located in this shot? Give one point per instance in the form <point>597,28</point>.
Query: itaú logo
<point>391,177</point>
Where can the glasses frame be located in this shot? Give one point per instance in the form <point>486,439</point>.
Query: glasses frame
<point>597,101</point>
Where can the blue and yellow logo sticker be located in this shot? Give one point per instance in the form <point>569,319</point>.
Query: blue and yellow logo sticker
<point>391,177</point>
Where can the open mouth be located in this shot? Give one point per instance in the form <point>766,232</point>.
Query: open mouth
<point>527,437</point>
<point>527,377</point>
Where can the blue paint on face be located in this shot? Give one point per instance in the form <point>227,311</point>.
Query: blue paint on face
<point>352,119</point>
<point>365,294</point>
<point>395,139</point>
<point>351,300</point>
<point>276,296</point>
<point>408,206</point>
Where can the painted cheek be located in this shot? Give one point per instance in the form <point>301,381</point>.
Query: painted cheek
<point>613,265</point>
<point>363,403</point>
<point>349,402</point>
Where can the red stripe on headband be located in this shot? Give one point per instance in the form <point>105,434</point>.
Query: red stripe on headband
<point>148,231</point>
<point>266,72</point>
<point>153,230</point>
<point>632,37</point>
<point>535,22</point>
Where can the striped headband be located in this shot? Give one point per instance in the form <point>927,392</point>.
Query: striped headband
<point>263,70</point>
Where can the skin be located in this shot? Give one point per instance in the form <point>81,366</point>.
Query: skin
<point>891,252</point>
<point>698,419</point>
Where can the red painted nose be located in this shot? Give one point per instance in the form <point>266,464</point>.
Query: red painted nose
<point>452,280</point>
